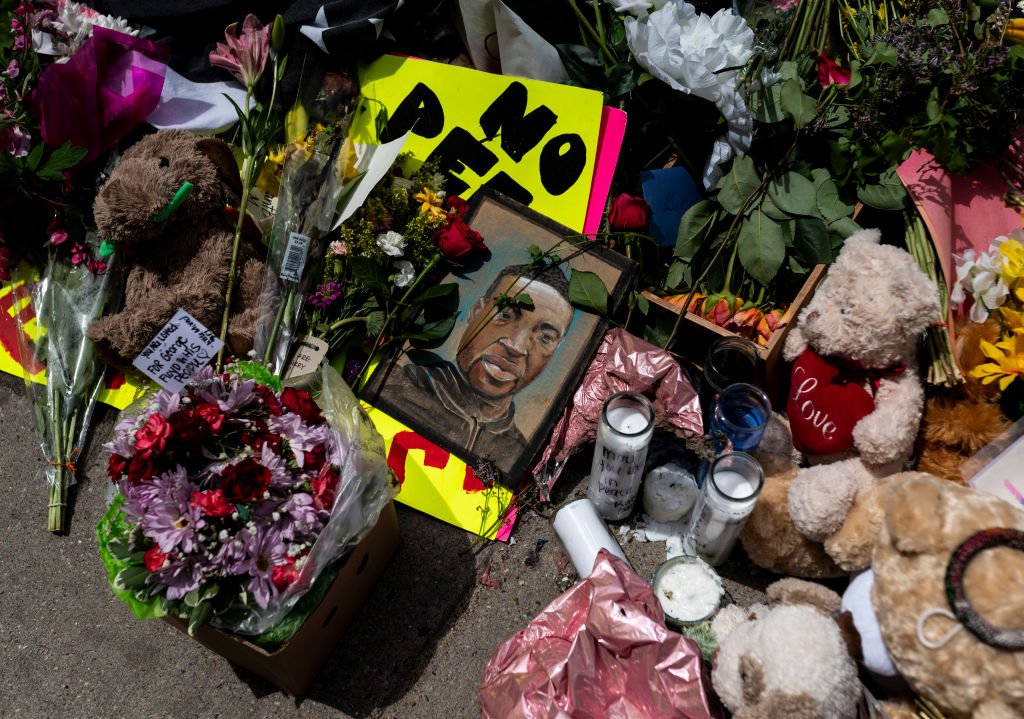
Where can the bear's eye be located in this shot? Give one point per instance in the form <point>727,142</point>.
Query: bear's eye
<point>844,311</point>
<point>164,162</point>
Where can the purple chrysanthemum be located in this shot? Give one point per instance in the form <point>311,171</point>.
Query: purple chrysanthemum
<point>264,549</point>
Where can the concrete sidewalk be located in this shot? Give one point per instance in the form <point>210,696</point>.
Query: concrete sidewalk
<point>415,651</point>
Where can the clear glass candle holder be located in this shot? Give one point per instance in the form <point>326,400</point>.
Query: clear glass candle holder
<point>727,498</point>
<point>623,435</point>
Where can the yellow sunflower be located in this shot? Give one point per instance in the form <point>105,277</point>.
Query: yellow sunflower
<point>1007,363</point>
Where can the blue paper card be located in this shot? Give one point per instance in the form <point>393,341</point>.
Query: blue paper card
<point>670,193</point>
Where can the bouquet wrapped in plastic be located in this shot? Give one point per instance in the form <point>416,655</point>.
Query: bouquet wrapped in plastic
<point>236,494</point>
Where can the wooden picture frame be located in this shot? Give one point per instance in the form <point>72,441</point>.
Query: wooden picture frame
<point>528,361</point>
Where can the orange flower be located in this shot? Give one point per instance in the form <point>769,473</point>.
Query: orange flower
<point>770,322</point>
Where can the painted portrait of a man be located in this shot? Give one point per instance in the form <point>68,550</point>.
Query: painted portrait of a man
<point>494,388</point>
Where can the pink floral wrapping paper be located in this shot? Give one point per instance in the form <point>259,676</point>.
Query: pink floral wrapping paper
<point>599,651</point>
<point>622,363</point>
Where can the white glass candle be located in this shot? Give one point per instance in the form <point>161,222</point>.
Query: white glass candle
<point>623,434</point>
<point>584,534</point>
<point>727,499</point>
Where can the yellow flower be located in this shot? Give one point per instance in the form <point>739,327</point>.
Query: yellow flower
<point>1012,319</point>
<point>1007,361</point>
<point>430,202</point>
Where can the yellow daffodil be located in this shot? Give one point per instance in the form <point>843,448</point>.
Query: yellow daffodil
<point>1012,319</point>
<point>1007,363</point>
<point>430,202</point>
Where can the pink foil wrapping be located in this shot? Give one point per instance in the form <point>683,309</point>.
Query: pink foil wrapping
<point>622,363</point>
<point>599,651</point>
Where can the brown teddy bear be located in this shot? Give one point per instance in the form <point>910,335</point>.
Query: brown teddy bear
<point>176,244</point>
<point>928,521</point>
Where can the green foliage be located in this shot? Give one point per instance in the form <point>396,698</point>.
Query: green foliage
<point>587,290</point>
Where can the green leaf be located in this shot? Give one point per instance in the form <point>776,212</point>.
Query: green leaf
<point>811,242</point>
<point>884,54</point>
<point>524,301</point>
<point>769,208</point>
<point>436,291</point>
<point>761,247</point>
<point>830,206</point>
<point>375,322</point>
<point>738,184</point>
<point>200,615</point>
<point>936,17</point>
<point>120,548</point>
<point>796,104</point>
<point>678,273</point>
<point>789,70</point>
<point>380,122</point>
<point>587,290</point>
<point>370,273</point>
<point>620,79</point>
<point>642,304</point>
<point>132,578</point>
<point>35,157</point>
<point>766,104</point>
<point>64,157</point>
<point>434,331</point>
<point>882,196</point>
<point>793,193</point>
<point>694,228</point>
<point>844,227</point>
<point>582,65</point>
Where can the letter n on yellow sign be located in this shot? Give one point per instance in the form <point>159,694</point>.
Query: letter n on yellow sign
<point>533,141</point>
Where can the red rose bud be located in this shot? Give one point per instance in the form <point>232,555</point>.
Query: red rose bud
<point>629,214</point>
<point>284,575</point>
<point>458,205</point>
<point>721,312</point>
<point>829,73</point>
<point>457,240</point>
<point>299,402</point>
<point>154,559</point>
<point>154,434</point>
<point>212,503</point>
<point>115,467</point>
<point>324,487</point>
<point>314,459</point>
<point>245,481</point>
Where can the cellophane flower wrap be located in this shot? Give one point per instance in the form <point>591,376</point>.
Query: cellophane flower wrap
<point>235,495</point>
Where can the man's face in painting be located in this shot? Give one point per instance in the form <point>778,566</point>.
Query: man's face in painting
<point>502,351</point>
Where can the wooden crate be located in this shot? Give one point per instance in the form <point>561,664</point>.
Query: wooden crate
<point>696,335</point>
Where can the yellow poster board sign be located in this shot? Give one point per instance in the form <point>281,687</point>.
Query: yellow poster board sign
<point>533,141</point>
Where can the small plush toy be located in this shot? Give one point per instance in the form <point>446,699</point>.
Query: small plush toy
<point>790,661</point>
<point>163,210</point>
<point>949,596</point>
<point>855,397</point>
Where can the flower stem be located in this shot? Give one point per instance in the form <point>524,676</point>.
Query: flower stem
<point>585,24</point>
<point>247,184</point>
<point>347,321</point>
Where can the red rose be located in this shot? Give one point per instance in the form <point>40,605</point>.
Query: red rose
<point>186,429</point>
<point>299,402</point>
<point>211,415</point>
<point>140,467</point>
<point>629,214</point>
<point>270,400</point>
<point>829,73</point>
<point>212,503</point>
<point>115,467</point>
<point>283,575</point>
<point>456,203</point>
<point>457,240</point>
<point>154,434</point>
<point>324,487</point>
<point>314,460</point>
<point>154,559</point>
<point>245,481</point>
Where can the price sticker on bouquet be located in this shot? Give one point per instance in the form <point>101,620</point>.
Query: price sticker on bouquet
<point>182,347</point>
<point>294,257</point>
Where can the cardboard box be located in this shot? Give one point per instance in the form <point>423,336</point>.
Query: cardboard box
<point>294,665</point>
<point>696,335</point>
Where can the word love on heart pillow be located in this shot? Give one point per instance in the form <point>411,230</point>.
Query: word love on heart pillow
<point>825,403</point>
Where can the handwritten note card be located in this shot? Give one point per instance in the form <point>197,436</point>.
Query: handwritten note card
<point>183,346</point>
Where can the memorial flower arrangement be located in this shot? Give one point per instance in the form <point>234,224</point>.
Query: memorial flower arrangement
<point>234,494</point>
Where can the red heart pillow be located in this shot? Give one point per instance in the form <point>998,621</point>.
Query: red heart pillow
<point>824,404</point>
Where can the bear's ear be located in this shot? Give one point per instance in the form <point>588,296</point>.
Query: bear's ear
<point>220,155</point>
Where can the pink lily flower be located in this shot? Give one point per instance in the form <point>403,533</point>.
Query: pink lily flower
<point>245,54</point>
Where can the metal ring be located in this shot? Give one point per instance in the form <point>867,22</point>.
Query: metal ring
<point>961,606</point>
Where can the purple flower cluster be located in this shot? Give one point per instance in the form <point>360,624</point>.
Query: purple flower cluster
<point>228,482</point>
<point>325,295</point>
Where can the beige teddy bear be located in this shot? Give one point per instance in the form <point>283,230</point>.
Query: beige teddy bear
<point>926,520</point>
<point>855,397</point>
<point>790,661</point>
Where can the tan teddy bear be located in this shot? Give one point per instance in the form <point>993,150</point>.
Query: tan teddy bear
<point>790,661</point>
<point>854,404</point>
<point>926,519</point>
